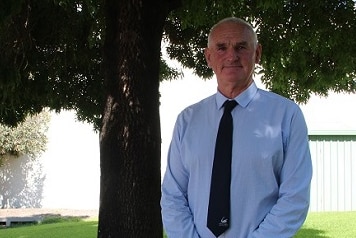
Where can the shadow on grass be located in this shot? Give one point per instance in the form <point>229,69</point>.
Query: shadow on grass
<point>309,232</point>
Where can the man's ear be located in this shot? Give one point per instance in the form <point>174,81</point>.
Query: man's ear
<point>207,56</point>
<point>258,53</point>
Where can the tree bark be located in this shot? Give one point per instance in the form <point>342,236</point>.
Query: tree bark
<point>130,141</point>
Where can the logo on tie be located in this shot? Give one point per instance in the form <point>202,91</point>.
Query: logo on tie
<point>224,222</point>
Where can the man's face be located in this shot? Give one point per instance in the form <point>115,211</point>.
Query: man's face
<point>232,53</point>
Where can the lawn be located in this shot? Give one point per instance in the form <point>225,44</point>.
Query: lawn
<point>317,225</point>
<point>54,228</point>
<point>329,225</point>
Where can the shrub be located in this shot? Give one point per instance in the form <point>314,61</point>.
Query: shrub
<point>28,138</point>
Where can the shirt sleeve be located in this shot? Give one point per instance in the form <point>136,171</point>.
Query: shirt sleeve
<point>176,215</point>
<point>289,213</point>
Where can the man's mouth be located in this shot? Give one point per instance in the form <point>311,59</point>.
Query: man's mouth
<point>232,66</point>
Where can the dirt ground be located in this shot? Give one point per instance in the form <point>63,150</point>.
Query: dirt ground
<point>31,212</point>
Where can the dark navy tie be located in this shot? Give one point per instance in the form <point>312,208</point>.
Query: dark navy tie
<point>218,220</point>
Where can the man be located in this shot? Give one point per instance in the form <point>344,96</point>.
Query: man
<point>270,160</point>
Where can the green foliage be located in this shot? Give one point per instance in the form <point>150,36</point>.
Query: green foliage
<point>8,7</point>
<point>51,50</point>
<point>167,72</point>
<point>51,56</point>
<point>28,138</point>
<point>308,46</point>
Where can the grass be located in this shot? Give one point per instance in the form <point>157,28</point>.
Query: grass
<point>54,227</point>
<point>329,225</point>
<point>317,225</point>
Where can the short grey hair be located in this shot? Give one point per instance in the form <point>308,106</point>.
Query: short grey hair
<point>237,21</point>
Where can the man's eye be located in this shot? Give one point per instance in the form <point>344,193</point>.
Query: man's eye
<point>222,48</point>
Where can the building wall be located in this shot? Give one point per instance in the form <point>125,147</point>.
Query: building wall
<point>21,182</point>
<point>334,178</point>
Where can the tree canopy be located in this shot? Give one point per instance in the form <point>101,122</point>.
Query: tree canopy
<point>51,56</point>
<point>51,50</point>
<point>307,45</point>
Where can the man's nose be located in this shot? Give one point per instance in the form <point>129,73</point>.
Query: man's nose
<point>233,54</point>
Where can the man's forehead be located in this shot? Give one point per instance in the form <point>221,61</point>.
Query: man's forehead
<point>233,32</point>
<point>232,42</point>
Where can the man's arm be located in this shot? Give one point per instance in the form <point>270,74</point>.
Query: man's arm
<point>176,215</point>
<point>289,213</point>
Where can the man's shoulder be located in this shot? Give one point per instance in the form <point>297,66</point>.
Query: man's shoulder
<point>269,96</point>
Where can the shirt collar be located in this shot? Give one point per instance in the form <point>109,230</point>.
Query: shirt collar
<point>243,99</point>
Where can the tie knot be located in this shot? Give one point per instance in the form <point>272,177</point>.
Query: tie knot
<point>229,105</point>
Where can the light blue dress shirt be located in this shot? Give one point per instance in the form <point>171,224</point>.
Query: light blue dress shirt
<point>271,168</point>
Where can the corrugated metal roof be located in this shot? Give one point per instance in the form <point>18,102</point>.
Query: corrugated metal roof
<point>333,132</point>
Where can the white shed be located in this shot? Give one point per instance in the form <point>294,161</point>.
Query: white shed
<point>334,163</point>
<point>332,135</point>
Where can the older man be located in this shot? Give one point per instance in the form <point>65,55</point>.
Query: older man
<point>268,173</point>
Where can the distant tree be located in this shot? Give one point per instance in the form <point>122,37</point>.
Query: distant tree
<point>101,58</point>
<point>27,138</point>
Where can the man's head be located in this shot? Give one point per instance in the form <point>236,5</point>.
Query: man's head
<point>232,53</point>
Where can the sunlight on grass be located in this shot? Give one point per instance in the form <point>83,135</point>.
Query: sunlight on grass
<point>329,225</point>
<point>317,225</point>
<point>54,228</point>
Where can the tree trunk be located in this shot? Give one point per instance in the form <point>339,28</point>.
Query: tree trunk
<point>130,141</point>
